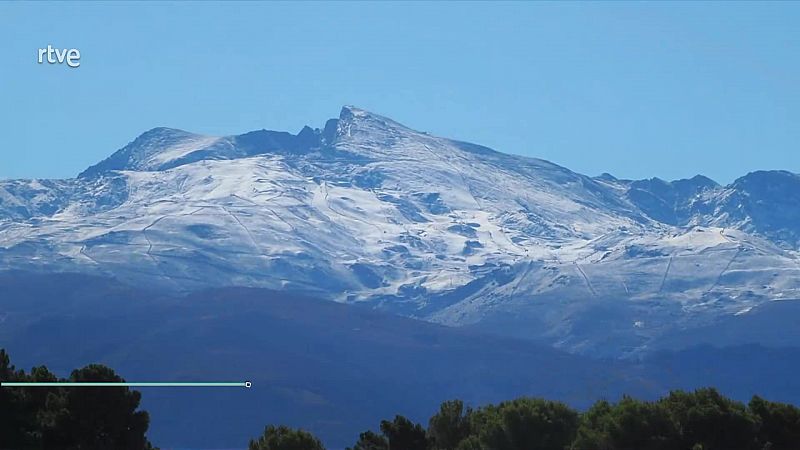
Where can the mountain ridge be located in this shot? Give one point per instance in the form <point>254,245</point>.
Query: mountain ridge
<point>368,210</point>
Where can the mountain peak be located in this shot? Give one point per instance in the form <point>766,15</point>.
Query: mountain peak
<point>352,111</point>
<point>702,180</point>
<point>163,131</point>
<point>352,117</point>
<point>156,149</point>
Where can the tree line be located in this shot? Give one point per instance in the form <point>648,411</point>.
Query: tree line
<point>89,418</point>
<point>699,420</point>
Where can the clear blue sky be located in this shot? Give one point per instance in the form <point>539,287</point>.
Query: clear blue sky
<point>635,89</point>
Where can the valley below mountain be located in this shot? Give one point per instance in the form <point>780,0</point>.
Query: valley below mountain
<point>329,367</point>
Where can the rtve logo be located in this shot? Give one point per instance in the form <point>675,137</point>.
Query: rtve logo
<point>71,56</point>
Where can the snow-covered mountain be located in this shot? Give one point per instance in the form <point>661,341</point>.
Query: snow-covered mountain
<point>368,210</point>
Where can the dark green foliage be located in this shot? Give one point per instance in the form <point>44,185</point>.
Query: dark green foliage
<point>370,440</point>
<point>69,418</point>
<point>629,425</point>
<point>708,419</point>
<point>470,443</point>
<point>398,434</point>
<point>285,438</point>
<point>17,427</point>
<point>95,417</point>
<point>449,426</point>
<point>780,424</point>
<point>699,420</point>
<point>525,424</point>
<point>403,434</point>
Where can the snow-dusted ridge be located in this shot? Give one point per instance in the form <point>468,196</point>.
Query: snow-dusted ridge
<point>366,209</point>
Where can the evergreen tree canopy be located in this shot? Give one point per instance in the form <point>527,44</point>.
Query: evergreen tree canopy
<point>706,418</point>
<point>449,426</point>
<point>75,418</point>
<point>525,424</point>
<point>780,423</point>
<point>370,440</point>
<point>285,438</point>
<point>404,434</point>
<point>699,420</point>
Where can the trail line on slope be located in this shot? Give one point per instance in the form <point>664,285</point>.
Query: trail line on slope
<point>383,211</point>
<point>586,279</point>
<point>459,172</point>
<point>474,198</point>
<point>150,249</point>
<point>272,211</point>
<point>82,251</point>
<point>244,227</point>
<point>294,230</point>
<point>727,267</point>
<point>147,238</point>
<point>324,187</point>
<point>200,208</point>
<point>244,199</point>
<point>521,278</point>
<point>666,274</point>
<point>625,285</point>
<point>278,216</point>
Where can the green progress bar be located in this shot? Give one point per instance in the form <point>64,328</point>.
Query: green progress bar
<point>245,384</point>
